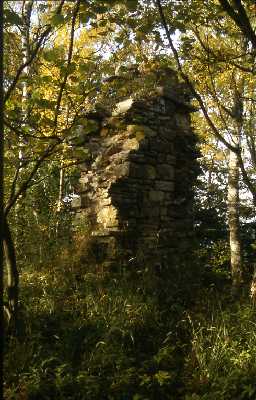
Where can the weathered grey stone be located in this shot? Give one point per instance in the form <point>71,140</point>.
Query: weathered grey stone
<point>138,158</point>
<point>78,218</point>
<point>161,158</point>
<point>84,179</point>
<point>151,211</point>
<point>123,107</point>
<point>165,186</point>
<point>170,159</point>
<point>122,170</point>
<point>143,129</point>
<point>133,129</point>
<point>133,188</point>
<point>182,123</point>
<point>137,171</point>
<point>131,144</point>
<point>108,217</point>
<point>156,196</point>
<point>104,132</point>
<point>76,202</point>
<point>166,172</point>
<point>150,172</point>
<point>104,202</point>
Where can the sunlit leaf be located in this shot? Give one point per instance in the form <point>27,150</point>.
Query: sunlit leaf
<point>11,17</point>
<point>57,19</point>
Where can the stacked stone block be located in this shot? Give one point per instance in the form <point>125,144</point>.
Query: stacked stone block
<point>137,189</point>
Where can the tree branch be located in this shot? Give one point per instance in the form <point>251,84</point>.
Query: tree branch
<point>70,53</point>
<point>31,58</point>
<point>189,83</point>
<point>26,183</point>
<point>26,135</point>
<point>236,150</point>
<point>240,18</point>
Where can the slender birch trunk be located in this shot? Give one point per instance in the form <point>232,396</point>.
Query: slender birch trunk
<point>233,221</point>
<point>233,203</point>
<point>61,187</point>
<point>60,197</point>
<point>11,309</point>
<point>9,246</point>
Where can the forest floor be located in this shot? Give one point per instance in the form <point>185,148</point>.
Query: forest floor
<point>88,336</point>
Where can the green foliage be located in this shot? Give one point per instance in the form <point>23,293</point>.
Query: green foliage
<point>222,361</point>
<point>86,333</point>
<point>39,229</point>
<point>86,337</point>
<point>12,18</point>
<point>57,19</point>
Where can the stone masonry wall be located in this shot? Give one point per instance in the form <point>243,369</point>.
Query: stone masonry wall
<point>137,189</point>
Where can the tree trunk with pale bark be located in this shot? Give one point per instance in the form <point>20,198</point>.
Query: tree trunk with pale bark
<point>233,221</point>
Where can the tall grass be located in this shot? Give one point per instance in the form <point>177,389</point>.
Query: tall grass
<point>222,360</point>
<point>93,335</point>
<point>85,336</point>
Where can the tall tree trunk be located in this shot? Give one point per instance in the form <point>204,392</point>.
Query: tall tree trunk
<point>60,198</point>
<point>61,183</point>
<point>61,187</point>
<point>9,247</point>
<point>25,47</point>
<point>233,185</point>
<point>12,277</point>
<point>233,221</point>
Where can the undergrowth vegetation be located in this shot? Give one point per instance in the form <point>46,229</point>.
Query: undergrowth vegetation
<point>88,335</point>
<point>222,360</point>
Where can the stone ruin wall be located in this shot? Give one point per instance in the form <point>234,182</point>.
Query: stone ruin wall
<point>137,190</point>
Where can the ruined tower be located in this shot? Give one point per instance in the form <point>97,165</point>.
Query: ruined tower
<point>136,191</point>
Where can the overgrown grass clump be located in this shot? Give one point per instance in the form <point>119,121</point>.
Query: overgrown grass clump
<point>87,335</point>
<point>222,360</point>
